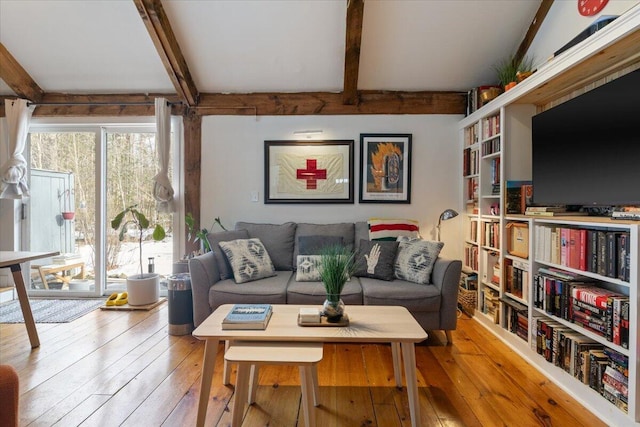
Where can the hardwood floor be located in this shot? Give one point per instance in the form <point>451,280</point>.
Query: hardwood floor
<point>113,368</point>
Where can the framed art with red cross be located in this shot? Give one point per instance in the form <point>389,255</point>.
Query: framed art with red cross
<point>385,168</point>
<point>308,171</point>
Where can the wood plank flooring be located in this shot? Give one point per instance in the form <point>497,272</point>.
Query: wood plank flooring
<point>113,368</point>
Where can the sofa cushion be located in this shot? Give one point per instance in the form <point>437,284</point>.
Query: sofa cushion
<point>314,245</point>
<point>307,268</point>
<point>314,293</point>
<point>361,233</point>
<point>221,259</point>
<point>271,290</point>
<point>344,230</point>
<point>249,259</point>
<point>415,260</point>
<point>391,228</point>
<point>278,239</point>
<point>415,297</point>
<point>376,259</point>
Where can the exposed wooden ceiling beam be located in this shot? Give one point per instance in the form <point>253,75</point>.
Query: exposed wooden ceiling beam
<point>533,30</point>
<point>355,13</point>
<point>111,105</point>
<point>17,78</point>
<point>326,103</point>
<point>262,104</point>
<point>159,28</point>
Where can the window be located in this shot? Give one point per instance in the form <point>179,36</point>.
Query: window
<point>81,177</point>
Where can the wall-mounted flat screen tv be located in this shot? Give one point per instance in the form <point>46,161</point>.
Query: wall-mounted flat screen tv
<point>586,151</point>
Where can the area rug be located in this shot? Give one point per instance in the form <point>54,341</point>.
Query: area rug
<point>49,310</point>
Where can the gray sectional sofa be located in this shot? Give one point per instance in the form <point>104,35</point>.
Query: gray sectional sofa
<point>434,305</point>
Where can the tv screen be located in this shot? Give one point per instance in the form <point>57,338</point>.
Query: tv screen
<point>586,151</point>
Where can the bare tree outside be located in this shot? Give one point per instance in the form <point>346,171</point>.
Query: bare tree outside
<point>131,164</point>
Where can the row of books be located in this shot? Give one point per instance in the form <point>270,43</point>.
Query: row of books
<point>517,318</point>
<point>471,256</point>
<point>491,304</point>
<point>491,126</point>
<point>491,234</point>
<point>601,251</point>
<point>518,195</point>
<point>471,135</point>
<point>517,278</point>
<point>491,146</point>
<point>472,188</point>
<point>470,162</point>
<point>495,173</point>
<point>601,368</point>
<point>600,311</point>
<point>473,231</point>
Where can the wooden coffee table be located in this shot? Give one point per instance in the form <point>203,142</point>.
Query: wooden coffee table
<point>368,324</point>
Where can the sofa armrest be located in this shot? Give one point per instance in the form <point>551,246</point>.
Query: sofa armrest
<point>446,276</point>
<point>204,273</point>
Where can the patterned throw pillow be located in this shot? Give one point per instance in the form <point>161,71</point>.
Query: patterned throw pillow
<point>307,268</point>
<point>390,229</point>
<point>376,259</point>
<point>415,260</point>
<point>249,259</point>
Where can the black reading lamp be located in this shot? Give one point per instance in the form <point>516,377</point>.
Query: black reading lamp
<point>444,216</point>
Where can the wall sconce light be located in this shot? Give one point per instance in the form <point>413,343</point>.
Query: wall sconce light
<point>307,133</point>
<point>444,216</point>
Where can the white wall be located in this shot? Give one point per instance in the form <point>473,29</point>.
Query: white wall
<point>564,22</point>
<point>233,167</point>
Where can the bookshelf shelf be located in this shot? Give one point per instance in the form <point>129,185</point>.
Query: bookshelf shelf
<point>500,135</point>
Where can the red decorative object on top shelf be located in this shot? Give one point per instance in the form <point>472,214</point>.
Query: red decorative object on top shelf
<point>591,7</point>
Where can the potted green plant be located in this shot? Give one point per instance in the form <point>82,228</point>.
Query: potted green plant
<point>336,265</point>
<point>143,288</point>
<point>199,236</point>
<point>507,70</point>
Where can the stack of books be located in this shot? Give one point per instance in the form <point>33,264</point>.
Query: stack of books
<point>551,211</point>
<point>626,212</point>
<point>248,316</point>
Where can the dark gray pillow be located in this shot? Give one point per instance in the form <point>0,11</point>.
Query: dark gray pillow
<point>221,259</point>
<point>313,245</point>
<point>278,239</point>
<point>376,259</point>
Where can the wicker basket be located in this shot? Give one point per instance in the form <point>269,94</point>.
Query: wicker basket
<point>467,300</point>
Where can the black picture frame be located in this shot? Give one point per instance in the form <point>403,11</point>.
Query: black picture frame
<point>308,171</point>
<point>385,167</point>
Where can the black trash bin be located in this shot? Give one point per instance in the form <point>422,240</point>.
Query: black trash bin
<point>180,304</point>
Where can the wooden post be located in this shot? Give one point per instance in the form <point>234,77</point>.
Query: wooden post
<point>192,152</point>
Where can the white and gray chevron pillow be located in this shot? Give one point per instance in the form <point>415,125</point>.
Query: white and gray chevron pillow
<point>415,260</point>
<point>249,259</point>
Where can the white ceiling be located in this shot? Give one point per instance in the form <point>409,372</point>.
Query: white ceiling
<point>240,46</point>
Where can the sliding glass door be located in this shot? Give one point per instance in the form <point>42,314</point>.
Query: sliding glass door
<point>80,179</point>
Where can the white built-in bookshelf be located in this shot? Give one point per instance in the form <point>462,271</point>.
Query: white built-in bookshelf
<point>512,254</point>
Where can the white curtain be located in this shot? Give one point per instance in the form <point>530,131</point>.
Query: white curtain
<point>14,170</point>
<point>162,190</point>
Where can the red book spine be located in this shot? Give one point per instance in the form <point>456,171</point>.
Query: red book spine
<point>582,249</point>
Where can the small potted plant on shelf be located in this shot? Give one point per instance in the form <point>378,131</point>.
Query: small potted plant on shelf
<point>507,70</point>
<point>512,71</point>
<point>336,266</point>
<point>141,288</point>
